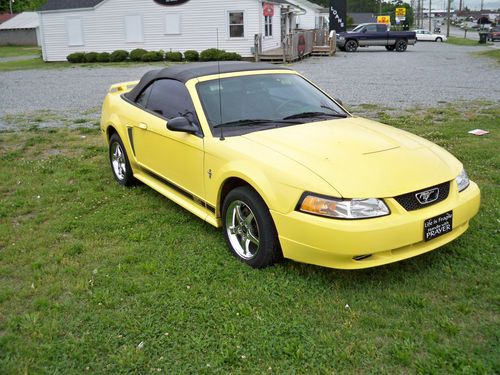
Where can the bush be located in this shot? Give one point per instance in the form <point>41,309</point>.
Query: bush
<point>152,56</point>
<point>230,56</point>
<point>136,54</point>
<point>191,55</point>
<point>90,57</point>
<point>118,56</point>
<point>211,54</point>
<point>173,56</point>
<point>76,57</point>
<point>103,57</point>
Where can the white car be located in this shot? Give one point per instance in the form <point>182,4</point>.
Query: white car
<point>425,35</point>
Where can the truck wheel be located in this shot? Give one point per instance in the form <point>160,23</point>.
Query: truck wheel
<point>401,45</point>
<point>351,45</point>
<point>390,48</point>
<point>439,39</point>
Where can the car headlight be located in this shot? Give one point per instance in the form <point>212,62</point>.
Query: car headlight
<point>342,208</point>
<point>462,180</point>
<point>341,38</point>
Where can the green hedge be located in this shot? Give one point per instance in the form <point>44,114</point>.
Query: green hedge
<point>191,55</point>
<point>103,57</point>
<point>136,54</point>
<point>76,57</point>
<point>118,56</point>
<point>173,56</point>
<point>90,57</point>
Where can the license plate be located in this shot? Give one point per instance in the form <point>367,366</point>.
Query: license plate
<point>438,225</point>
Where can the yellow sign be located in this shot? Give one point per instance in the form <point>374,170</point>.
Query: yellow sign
<point>384,19</point>
<point>400,12</point>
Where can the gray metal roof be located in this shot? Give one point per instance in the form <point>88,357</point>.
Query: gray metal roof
<point>25,20</point>
<point>68,4</point>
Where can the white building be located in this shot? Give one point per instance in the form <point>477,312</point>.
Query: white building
<point>312,16</point>
<point>69,26</point>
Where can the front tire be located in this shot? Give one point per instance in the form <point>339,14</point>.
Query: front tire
<point>351,45</point>
<point>119,161</point>
<point>249,229</point>
<point>439,40</point>
<point>401,45</point>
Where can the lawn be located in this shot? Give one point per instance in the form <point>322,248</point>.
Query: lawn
<point>102,279</point>
<point>13,51</point>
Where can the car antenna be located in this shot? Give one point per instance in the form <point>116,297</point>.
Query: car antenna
<point>220,93</point>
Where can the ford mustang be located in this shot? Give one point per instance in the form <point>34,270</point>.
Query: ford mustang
<point>283,168</point>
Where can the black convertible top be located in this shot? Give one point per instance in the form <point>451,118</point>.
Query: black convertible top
<point>185,72</point>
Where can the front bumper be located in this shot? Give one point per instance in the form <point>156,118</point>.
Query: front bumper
<point>341,42</point>
<point>400,235</point>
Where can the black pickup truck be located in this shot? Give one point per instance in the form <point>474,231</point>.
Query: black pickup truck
<point>375,34</point>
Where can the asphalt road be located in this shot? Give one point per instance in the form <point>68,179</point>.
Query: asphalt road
<point>427,74</point>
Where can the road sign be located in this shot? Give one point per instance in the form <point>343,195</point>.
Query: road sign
<point>384,19</point>
<point>400,12</point>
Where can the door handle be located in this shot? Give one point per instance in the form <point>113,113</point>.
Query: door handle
<point>143,126</point>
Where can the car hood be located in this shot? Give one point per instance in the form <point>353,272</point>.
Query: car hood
<point>361,158</point>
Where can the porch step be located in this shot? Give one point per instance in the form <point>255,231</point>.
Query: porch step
<point>322,51</point>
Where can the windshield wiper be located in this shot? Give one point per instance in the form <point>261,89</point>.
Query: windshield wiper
<point>314,114</point>
<point>253,122</point>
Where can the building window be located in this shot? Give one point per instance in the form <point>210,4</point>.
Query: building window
<point>133,29</point>
<point>268,24</point>
<point>74,29</point>
<point>236,25</point>
<point>172,23</point>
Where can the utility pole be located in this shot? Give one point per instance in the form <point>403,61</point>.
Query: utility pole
<point>430,15</point>
<point>448,19</point>
<point>10,4</point>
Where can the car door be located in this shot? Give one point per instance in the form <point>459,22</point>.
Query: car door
<point>175,158</point>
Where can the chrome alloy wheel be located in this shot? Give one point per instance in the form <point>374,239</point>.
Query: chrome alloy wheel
<point>242,230</point>
<point>118,161</point>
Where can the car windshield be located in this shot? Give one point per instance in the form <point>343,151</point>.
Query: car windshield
<point>358,28</point>
<point>261,101</point>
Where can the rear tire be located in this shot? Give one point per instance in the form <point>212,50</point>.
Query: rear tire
<point>249,229</point>
<point>439,40</point>
<point>118,159</point>
<point>351,45</point>
<point>400,45</point>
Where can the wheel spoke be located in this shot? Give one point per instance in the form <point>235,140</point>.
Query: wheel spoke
<point>239,214</point>
<point>247,247</point>
<point>249,218</point>
<point>253,239</point>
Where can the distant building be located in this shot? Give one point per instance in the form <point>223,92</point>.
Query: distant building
<point>21,30</point>
<point>359,18</point>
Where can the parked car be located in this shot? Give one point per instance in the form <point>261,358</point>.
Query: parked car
<point>494,34</point>
<point>425,35</point>
<point>375,34</point>
<point>283,168</point>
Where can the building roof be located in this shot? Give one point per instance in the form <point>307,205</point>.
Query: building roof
<point>185,72</point>
<point>68,4</point>
<point>25,20</point>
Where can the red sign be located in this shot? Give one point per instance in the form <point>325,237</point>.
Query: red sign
<point>301,46</point>
<point>268,9</point>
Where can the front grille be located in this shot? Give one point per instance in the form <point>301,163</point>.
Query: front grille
<point>410,202</point>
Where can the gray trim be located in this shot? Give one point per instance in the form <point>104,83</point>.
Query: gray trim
<point>68,4</point>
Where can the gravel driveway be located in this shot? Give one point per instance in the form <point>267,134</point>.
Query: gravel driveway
<point>426,75</point>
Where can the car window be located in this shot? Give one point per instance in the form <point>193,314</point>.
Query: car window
<point>371,28</point>
<point>170,98</point>
<point>143,97</point>
<point>381,28</point>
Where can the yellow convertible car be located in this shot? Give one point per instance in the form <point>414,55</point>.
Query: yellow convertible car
<point>283,168</point>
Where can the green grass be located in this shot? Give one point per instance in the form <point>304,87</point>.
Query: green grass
<point>40,64</point>
<point>493,54</point>
<point>90,270</point>
<point>463,42</point>
<point>13,51</point>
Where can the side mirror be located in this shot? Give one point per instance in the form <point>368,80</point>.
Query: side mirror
<point>181,124</point>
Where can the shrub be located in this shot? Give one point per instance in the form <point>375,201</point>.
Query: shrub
<point>230,56</point>
<point>191,55</point>
<point>173,56</point>
<point>103,57</point>
<point>136,54</point>
<point>90,57</point>
<point>118,56</point>
<point>152,56</point>
<point>211,54</point>
<point>76,57</point>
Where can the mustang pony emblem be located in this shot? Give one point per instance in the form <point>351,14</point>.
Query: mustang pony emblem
<point>428,196</point>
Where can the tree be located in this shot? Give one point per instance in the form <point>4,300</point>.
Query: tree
<point>19,6</point>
